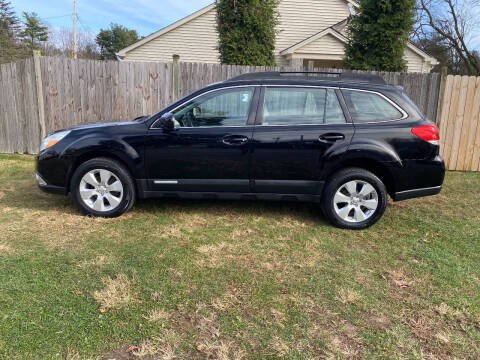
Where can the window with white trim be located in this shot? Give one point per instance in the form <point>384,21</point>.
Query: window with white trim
<point>370,107</point>
<point>301,106</point>
<point>220,108</point>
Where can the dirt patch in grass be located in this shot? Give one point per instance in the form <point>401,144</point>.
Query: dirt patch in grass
<point>434,338</point>
<point>157,315</point>
<point>116,293</point>
<point>279,346</point>
<point>56,221</point>
<point>231,299</point>
<point>347,296</point>
<point>399,279</point>
<point>98,262</point>
<point>247,252</point>
<point>5,250</point>
<point>54,228</point>
<point>345,346</point>
<point>207,340</point>
<point>162,347</point>
<point>217,255</point>
<point>380,321</point>
<point>127,352</point>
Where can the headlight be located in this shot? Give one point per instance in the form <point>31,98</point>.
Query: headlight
<point>51,140</point>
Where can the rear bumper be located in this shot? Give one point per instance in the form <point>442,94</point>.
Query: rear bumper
<point>416,193</point>
<point>418,178</point>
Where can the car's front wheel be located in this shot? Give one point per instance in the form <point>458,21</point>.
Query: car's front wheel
<point>103,187</point>
<point>354,199</point>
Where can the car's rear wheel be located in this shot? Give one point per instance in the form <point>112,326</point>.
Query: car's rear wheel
<point>354,199</point>
<point>103,187</point>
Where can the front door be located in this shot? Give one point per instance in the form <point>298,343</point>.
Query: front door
<point>209,149</point>
<point>299,127</point>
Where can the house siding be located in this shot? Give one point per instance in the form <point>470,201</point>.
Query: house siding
<point>415,62</point>
<point>197,39</point>
<point>326,45</point>
<point>194,41</point>
<point>300,19</point>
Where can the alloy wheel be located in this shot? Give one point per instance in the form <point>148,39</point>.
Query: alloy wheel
<point>101,190</point>
<point>355,201</point>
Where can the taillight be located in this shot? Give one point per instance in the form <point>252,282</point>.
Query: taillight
<point>428,133</point>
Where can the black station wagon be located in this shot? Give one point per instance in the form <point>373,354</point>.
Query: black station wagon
<point>342,140</point>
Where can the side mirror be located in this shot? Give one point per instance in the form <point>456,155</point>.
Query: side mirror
<point>167,122</point>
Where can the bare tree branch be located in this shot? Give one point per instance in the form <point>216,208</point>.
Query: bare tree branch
<point>454,22</point>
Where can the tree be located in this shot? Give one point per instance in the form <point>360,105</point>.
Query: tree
<point>455,22</point>
<point>115,39</point>
<point>434,45</point>
<point>9,22</point>
<point>60,43</point>
<point>247,31</point>
<point>9,30</point>
<point>34,32</point>
<point>379,35</point>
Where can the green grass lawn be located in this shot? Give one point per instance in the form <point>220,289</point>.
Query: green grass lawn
<point>232,280</point>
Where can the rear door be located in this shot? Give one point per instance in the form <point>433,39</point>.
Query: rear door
<point>298,129</point>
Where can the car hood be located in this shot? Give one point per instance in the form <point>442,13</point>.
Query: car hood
<point>110,124</point>
<point>103,125</point>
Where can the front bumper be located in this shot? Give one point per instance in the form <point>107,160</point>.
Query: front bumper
<point>52,172</point>
<point>48,188</point>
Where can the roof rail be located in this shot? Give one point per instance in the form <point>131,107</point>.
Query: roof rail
<point>340,76</point>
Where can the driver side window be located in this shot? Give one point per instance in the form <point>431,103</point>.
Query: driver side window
<point>229,107</point>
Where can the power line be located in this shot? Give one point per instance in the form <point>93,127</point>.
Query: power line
<point>56,17</point>
<point>85,27</point>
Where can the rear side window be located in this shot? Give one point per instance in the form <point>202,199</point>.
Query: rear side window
<point>301,106</point>
<point>370,107</point>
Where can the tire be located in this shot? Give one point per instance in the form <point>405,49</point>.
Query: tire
<point>350,196</point>
<point>103,187</point>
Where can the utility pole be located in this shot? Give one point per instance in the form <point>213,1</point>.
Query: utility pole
<point>74,52</point>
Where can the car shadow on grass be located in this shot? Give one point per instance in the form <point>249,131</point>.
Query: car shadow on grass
<point>301,211</point>
<point>29,197</point>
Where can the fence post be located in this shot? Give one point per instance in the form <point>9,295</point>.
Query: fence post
<point>39,86</point>
<point>443,83</point>
<point>176,77</point>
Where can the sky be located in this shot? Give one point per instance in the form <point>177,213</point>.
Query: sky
<point>145,16</point>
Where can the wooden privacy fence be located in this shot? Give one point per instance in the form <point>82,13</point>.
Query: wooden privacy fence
<point>44,94</point>
<point>20,125</point>
<point>424,89</point>
<point>460,123</point>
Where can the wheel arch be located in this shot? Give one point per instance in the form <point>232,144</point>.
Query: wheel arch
<point>93,154</point>
<point>378,168</point>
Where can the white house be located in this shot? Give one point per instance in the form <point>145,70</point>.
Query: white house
<point>309,30</point>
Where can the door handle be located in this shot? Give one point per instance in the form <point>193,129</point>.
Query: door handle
<point>331,137</point>
<point>235,140</point>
